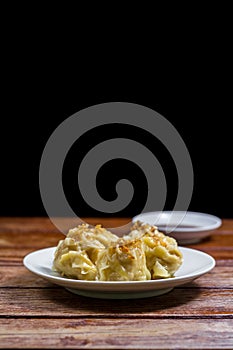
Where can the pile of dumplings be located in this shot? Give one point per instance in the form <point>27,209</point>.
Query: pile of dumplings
<point>96,254</point>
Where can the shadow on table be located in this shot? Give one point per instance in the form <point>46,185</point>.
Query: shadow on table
<point>73,303</point>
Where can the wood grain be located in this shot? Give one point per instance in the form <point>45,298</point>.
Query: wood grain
<point>35,313</point>
<point>115,334</point>
<point>41,224</point>
<point>17,276</point>
<point>42,239</point>
<point>57,302</point>
<point>44,225</point>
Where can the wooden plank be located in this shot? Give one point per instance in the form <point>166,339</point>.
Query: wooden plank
<point>39,239</point>
<point>58,302</point>
<point>43,224</point>
<point>217,253</point>
<point>18,276</point>
<point>10,261</point>
<point>219,240</point>
<point>223,262</point>
<point>227,226</point>
<point>23,224</point>
<point>40,234</point>
<point>11,254</point>
<point>115,333</point>
<point>33,240</point>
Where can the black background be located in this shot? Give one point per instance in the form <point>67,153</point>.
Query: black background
<point>188,81</point>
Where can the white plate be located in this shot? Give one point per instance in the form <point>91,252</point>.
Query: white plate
<point>196,263</point>
<point>186,227</point>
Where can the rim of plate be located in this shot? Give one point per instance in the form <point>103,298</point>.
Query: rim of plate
<point>216,221</point>
<point>209,267</point>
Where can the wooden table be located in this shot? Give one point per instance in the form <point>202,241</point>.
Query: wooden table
<point>38,314</point>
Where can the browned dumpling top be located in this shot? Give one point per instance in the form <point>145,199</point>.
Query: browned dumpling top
<point>94,253</point>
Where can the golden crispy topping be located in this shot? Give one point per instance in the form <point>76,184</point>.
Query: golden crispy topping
<point>93,253</point>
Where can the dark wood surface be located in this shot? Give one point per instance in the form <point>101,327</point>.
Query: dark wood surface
<point>37,314</point>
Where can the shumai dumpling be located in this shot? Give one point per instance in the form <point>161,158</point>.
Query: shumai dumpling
<point>71,261</point>
<point>89,253</point>
<point>76,255</point>
<point>123,262</point>
<point>163,258</point>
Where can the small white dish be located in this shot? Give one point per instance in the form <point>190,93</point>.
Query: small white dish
<point>195,264</point>
<point>186,227</point>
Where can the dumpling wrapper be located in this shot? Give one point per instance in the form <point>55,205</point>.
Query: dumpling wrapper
<point>97,254</point>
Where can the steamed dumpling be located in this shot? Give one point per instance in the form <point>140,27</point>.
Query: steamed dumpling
<point>123,262</point>
<point>97,254</point>
<point>76,255</point>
